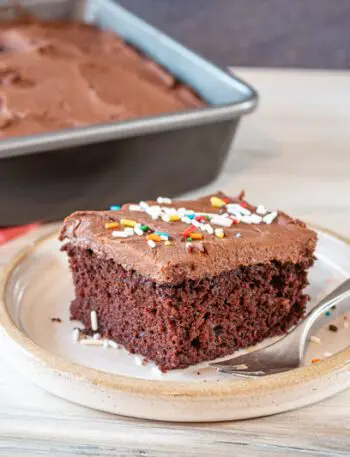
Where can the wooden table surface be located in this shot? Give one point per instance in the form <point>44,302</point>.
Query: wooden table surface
<point>293,153</point>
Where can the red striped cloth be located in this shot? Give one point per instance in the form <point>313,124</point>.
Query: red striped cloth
<point>7,234</point>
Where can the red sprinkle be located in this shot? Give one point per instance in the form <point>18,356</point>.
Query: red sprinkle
<point>225,199</point>
<point>189,230</point>
<point>243,204</point>
<point>201,218</point>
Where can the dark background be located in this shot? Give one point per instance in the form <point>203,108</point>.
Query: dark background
<point>282,33</point>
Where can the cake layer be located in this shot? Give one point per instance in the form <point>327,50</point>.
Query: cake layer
<point>57,75</point>
<point>219,244</point>
<point>196,320</point>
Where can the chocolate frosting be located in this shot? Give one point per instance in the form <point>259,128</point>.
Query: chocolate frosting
<point>284,240</point>
<point>57,75</point>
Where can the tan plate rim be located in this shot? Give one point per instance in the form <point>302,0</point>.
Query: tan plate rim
<point>337,363</point>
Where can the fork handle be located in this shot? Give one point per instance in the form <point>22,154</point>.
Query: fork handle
<point>302,330</point>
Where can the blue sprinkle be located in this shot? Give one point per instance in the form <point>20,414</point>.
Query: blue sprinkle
<point>162,234</point>
<point>328,313</point>
<point>115,208</point>
<point>191,216</point>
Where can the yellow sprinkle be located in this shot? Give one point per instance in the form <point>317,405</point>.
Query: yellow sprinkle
<point>174,217</point>
<point>196,236</point>
<point>153,237</point>
<point>217,202</point>
<point>111,225</point>
<point>128,222</point>
<point>167,243</point>
<point>219,233</point>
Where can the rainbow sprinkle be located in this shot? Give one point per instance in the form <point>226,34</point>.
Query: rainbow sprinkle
<point>151,244</point>
<point>217,202</point>
<point>196,236</point>
<point>128,222</point>
<point>219,233</point>
<point>111,225</point>
<point>153,237</point>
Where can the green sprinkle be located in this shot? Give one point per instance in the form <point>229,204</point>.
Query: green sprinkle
<point>188,238</point>
<point>144,228</point>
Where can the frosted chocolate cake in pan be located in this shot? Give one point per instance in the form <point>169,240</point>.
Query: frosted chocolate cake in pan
<point>56,75</point>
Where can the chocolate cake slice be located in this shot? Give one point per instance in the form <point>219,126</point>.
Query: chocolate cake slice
<point>187,281</point>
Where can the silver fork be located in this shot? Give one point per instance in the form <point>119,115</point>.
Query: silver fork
<point>287,353</point>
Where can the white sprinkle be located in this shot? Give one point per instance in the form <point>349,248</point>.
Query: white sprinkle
<point>252,219</point>
<point>219,232</point>
<point>222,221</point>
<point>113,344</point>
<point>186,220</point>
<point>76,335</point>
<point>261,210</point>
<point>138,360</point>
<point>195,223</point>
<point>96,336</point>
<point>129,231</point>
<point>315,339</point>
<point>135,208</point>
<point>91,342</point>
<point>105,344</point>
<point>119,234</point>
<point>234,208</point>
<point>238,235</point>
<point>151,244</point>
<point>166,217</point>
<point>167,210</point>
<point>156,371</point>
<point>153,208</point>
<point>181,211</point>
<point>164,200</point>
<point>270,217</point>
<point>143,205</point>
<point>209,229</point>
<point>138,230</point>
<point>327,354</point>
<point>256,219</point>
<point>246,220</point>
<point>94,321</point>
<point>155,216</point>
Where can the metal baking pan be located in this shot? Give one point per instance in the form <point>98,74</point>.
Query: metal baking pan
<point>46,176</point>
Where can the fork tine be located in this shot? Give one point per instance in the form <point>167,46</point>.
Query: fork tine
<point>252,374</point>
<point>238,361</point>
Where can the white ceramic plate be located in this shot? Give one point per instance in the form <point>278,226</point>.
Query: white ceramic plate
<point>37,287</point>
